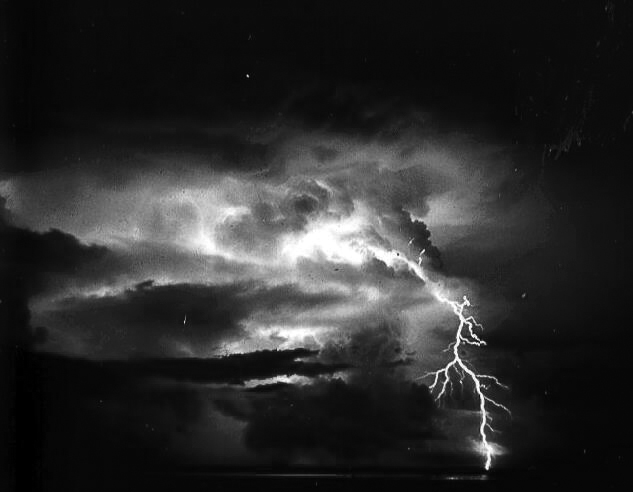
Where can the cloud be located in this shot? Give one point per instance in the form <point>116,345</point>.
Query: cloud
<point>260,229</point>
<point>268,203</point>
<point>119,416</point>
<point>370,413</point>
<point>132,146</point>
<point>235,369</point>
<point>156,319</point>
<point>27,261</point>
<point>108,423</point>
<point>33,255</point>
<point>372,344</point>
<point>353,109</point>
<point>345,421</point>
<point>418,233</point>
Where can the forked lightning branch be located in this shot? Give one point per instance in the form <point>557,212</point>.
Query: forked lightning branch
<point>457,368</point>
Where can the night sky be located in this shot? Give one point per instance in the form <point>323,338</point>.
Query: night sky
<point>195,200</point>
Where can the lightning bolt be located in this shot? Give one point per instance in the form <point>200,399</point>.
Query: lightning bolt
<point>465,335</point>
<point>339,249</point>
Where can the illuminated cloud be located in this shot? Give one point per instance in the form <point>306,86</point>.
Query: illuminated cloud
<point>216,215</point>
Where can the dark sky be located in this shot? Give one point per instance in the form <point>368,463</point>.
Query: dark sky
<point>197,201</point>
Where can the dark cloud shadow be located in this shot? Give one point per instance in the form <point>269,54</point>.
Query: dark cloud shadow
<point>27,260</point>
<point>336,421</point>
<point>79,420</point>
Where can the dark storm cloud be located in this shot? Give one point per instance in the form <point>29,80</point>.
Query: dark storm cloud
<point>235,369</point>
<point>32,255</point>
<point>415,231</point>
<point>371,345</point>
<point>150,318</point>
<point>232,369</point>
<point>105,422</point>
<point>36,254</point>
<point>119,415</point>
<point>346,421</point>
<point>195,63</point>
<point>354,108</point>
<point>377,270</point>
<point>27,260</point>
<point>372,412</point>
<point>129,147</point>
<point>129,262</point>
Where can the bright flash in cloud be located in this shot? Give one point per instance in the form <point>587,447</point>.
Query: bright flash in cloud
<point>336,240</point>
